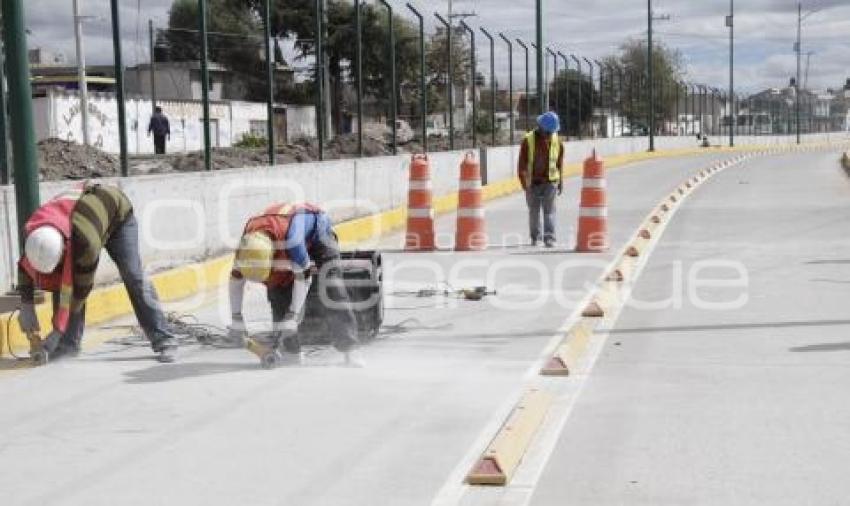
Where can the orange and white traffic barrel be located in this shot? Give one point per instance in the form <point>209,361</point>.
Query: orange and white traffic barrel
<point>420,210</point>
<point>593,211</point>
<point>471,234</point>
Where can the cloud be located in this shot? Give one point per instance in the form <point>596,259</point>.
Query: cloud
<point>765,33</point>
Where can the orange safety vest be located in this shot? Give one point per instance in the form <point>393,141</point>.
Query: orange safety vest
<point>56,213</point>
<point>275,222</point>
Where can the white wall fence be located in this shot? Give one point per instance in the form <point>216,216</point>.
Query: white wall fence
<point>58,115</point>
<point>191,216</point>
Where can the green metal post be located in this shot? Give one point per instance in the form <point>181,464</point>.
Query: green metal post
<point>554,56</point>
<point>393,77</point>
<point>449,79</point>
<point>730,22</point>
<point>492,85</point>
<point>527,86</point>
<point>119,86</point>
<point>579,122</point>
<point>205,83</point>
<point>423,98</point>
<point>320,79</point>
<point>472,72</point>
<point>358,28</point>
<point>651,85</point>
<point>267,26</point>
<point>541,77</point>
<point>510,85</point>
<point>565,121</point>
<point>20,113</point>
<point>4,142</point>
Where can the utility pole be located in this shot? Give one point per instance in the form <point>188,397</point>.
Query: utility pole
<point>733,120</point>
<point>82,85</point>
<point>797,48</point>
<point>541,77</point>
<point>152,43</point>
<point>5,175</point>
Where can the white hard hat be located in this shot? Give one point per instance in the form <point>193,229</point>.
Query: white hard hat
<point>44,248</point>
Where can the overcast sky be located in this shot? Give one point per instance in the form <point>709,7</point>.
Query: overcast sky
<point>765,32</point>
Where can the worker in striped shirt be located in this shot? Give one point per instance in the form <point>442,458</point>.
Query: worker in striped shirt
<point>64,240</point>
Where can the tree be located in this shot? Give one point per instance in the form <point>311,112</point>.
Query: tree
<point>631,63</point>
<point>436,63</point>
<point>569,82</point>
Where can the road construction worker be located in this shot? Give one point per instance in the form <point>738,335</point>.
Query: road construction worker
<point>64,239</point>
<point>541,174</point>
<point>285,248</point>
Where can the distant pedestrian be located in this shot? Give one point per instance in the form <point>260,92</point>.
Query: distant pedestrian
<point>541,174</point>
<point>161,130</point>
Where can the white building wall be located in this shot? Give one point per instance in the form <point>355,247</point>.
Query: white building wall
<point>58,115</point>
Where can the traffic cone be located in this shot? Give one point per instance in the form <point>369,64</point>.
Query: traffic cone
<point>593,212</point>
<point>420,212</point>
<point>471,234</point>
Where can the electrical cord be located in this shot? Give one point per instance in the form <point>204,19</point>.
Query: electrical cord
<point>9,333</point>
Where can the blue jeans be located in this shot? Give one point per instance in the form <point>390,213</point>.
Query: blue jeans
<point>123,248</point>
<point>541,197</point>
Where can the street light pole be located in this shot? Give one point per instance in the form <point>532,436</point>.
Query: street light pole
<point>555,78</point>
<point>565,120</point>
<point>119,87</point>
<point>358,28</point>
<point>267,28</point>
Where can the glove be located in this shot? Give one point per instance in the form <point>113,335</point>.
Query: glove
<point>27,318</point>
<point>237,330</point>
<point>287,327</point>
<point>560,188</point>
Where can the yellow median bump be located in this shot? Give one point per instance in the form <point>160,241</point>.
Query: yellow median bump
<point>499,462</point>
<point>605,298</point>
<point>565,359</point>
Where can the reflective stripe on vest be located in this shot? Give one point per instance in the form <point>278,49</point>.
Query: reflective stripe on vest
<point>554,153</point>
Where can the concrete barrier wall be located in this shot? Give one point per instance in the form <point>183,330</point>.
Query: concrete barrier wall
<point>191,216</point>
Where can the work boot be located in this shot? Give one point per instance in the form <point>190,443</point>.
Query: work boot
<point>549,243</point>
<point>166,349</point>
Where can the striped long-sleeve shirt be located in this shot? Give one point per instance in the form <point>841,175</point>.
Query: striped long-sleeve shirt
<point>96,216</point>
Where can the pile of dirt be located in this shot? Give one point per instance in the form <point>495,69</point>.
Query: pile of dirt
<point>58,159</point>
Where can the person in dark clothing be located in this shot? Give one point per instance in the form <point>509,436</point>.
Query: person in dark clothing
<point>161,130</point>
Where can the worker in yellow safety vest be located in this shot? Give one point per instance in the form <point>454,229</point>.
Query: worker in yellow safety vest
<point>541,174</point>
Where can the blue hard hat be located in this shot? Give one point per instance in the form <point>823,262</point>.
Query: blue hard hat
<point>549,122</point>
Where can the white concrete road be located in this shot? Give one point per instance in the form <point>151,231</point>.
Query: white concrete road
<point>734,407</point>
<point>740,405</point>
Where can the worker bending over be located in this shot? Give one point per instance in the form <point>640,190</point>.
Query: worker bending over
<point>279,248</point>
<point>541,174</point>
<point>64,239</point>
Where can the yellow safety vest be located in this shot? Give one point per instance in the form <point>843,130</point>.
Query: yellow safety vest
<point>554,153</point>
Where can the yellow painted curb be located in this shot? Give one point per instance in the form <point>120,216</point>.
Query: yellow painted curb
<point>502,457</point>
<point>565,359</point>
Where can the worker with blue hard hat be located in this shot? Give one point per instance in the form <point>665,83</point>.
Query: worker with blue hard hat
<point>541,174</point>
